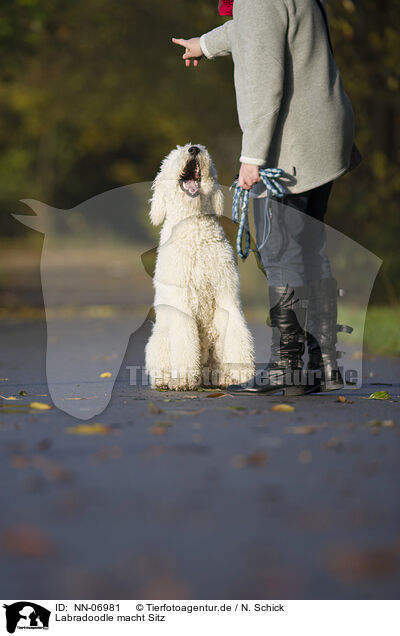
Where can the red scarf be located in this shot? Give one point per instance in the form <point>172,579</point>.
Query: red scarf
<point>225,7</point>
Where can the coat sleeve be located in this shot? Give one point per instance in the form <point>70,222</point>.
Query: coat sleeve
<point>260,36</point>
<point>218,41</point>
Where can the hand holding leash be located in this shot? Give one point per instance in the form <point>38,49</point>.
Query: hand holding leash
<point>248,175</point>
<point>240,206</point>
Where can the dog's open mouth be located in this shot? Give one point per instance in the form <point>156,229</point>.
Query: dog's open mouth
<point>190,178</point>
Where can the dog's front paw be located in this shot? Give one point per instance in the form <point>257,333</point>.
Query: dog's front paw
<point>184,382</point>
<point>234,374</point>
<point>159,380</point>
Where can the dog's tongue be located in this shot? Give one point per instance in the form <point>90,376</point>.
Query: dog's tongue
<point>192,186</point>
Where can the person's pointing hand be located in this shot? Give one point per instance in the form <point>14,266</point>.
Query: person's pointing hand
<point>192,49</point>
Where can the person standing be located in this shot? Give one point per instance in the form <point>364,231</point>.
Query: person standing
<point>294,114</point>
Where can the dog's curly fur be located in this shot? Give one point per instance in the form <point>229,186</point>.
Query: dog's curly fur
<point>200,335</point>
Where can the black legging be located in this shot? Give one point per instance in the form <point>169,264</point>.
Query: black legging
<point>291,237</point>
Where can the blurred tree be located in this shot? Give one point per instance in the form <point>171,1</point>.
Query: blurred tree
<point>93,94</point>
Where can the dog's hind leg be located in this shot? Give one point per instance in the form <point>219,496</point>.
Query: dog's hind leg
<point>233,347</point>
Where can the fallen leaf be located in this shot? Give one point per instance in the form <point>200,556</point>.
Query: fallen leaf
<point>235,408</point>
<point>341,398</point>
<point>238,461</point>
<point>81,398</point>
<point>45,444</point>
<point>115,452</point>
<point>89,429</point>
<point>258,458</point>
<point>218,394</point>
<point>380,395</point>
<point>379,423</point>
<point>154,409</point>
<point>187,412</point>
<point>40,406</point>
<point>333,444</point>
<point>157,430</point>
<point>388,423</point>
<point>51,470</point>
<point>105,374</point>
<point>23,393</point>
<point>20,461</point>
<point>27,541</point>
<point>351,564</point>
<point>13,406</point>
<point>161,584</point>
<point>10,397</point>
<point>180,399</point>
<point>284,408</point>
<point>305,457</point>
<point>307,429</point>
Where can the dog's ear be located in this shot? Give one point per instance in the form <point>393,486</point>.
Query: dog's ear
<point>218,201</point>
<point>158,201</point>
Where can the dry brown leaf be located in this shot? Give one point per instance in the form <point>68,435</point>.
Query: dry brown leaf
<point>351,564</point>
<point>105,374</point>
<point>187,412</point>
<point>341,398</point>
<point>258,458</point>
<point>27,541</point>
<point>157,430</point>
<point>81,398</point>
<point>154,409</point>
<point>305,457</point>
<point>379,423</point>
<point>334,443</point>
<point>115,452</point>
<point>255,459</point>
<point>218,394</point>
<point>306,429</point>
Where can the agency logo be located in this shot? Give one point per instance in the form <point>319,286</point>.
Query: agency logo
<point>26,615</point>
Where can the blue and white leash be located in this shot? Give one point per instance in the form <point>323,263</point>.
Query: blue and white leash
<point>240,206</point>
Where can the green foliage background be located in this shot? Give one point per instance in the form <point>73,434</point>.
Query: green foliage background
<point>93,94</point>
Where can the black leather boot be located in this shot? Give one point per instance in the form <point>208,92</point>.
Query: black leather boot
<point>322,370</point>
<point>284,372</point>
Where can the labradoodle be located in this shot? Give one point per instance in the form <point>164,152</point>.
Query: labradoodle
<point>200,336</point>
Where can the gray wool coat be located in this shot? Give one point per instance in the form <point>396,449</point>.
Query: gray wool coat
<point>292,107</point>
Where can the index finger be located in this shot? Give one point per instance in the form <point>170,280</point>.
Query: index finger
<point>179,41</point>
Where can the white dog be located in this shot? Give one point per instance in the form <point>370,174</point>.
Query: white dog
<point>200,335</point>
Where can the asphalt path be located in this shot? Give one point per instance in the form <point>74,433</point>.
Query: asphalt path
<point>185,495</point>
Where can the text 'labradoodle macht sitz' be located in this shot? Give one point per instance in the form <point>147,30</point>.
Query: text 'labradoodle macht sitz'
<point>200,335</point>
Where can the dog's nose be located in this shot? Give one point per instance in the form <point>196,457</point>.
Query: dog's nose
<point>194,150</point>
